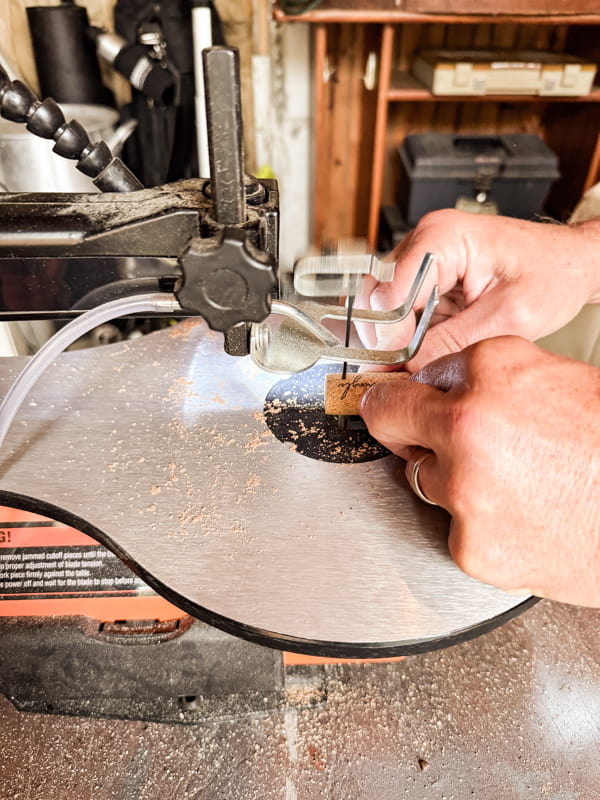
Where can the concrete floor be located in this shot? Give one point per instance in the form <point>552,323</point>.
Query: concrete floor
<point>512,715</point>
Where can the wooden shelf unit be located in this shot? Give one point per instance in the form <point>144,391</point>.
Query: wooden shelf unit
<point>366,16</point>
<point>358,129</point>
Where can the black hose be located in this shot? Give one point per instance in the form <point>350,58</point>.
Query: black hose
<point>45,119</point>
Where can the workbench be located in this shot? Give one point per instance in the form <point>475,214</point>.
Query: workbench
<point>513,714</point>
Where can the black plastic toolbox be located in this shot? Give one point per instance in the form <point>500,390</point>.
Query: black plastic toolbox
<point>512,171</point>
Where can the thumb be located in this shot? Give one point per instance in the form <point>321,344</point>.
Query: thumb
<point>484,319</point>
<point>388,296</point>
<point>403,414</point>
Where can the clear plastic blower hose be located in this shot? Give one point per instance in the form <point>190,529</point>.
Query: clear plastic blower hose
<point>124,307</point>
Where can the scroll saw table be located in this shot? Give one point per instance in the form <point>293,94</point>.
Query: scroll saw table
<point>222,487</point>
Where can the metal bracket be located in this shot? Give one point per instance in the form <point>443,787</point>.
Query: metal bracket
<point>301,340</point>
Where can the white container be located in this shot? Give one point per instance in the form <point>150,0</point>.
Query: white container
<point>27,163</point>
<point>448,72</point>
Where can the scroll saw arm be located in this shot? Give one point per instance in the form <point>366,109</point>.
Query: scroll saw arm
<point>212,243</point>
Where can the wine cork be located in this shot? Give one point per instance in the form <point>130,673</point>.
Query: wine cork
<point>343,396</point>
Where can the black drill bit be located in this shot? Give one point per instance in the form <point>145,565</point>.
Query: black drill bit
<point>342,419</point>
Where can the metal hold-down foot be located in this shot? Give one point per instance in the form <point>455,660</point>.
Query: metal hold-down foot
<point>301,339</point>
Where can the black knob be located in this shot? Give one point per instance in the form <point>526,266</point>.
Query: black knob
<point>226,280</point>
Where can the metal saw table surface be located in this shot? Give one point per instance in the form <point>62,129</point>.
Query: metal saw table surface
<point>159,448</point>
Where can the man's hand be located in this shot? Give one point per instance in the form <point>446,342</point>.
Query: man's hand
<point>496,275</point>
<point>514,436</point>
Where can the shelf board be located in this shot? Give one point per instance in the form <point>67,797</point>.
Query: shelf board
<point>363,16</point>
<point>404,87</point>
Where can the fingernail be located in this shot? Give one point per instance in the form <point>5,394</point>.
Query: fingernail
<point>378,299</point>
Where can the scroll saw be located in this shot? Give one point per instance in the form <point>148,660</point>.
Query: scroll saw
<point>201,455</point>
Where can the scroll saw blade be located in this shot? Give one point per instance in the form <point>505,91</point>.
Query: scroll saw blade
<point>343,420</point>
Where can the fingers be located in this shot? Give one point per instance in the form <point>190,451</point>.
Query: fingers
<point>414,413</point>
<point>487,318</point>
<point>408,257</point>
<point>388,296</point>
<point>404,414</point>
<point>408,417</point>
<point>446,373</point>
<point>442,233</point>
<point>366,330</point>
<point>490,435</point>
<point>479,298</point>
<point>390,419</point>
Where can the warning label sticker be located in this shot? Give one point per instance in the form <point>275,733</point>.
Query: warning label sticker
<point>32,571</point>
<point>49,568</point>
<point>40,557</point>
